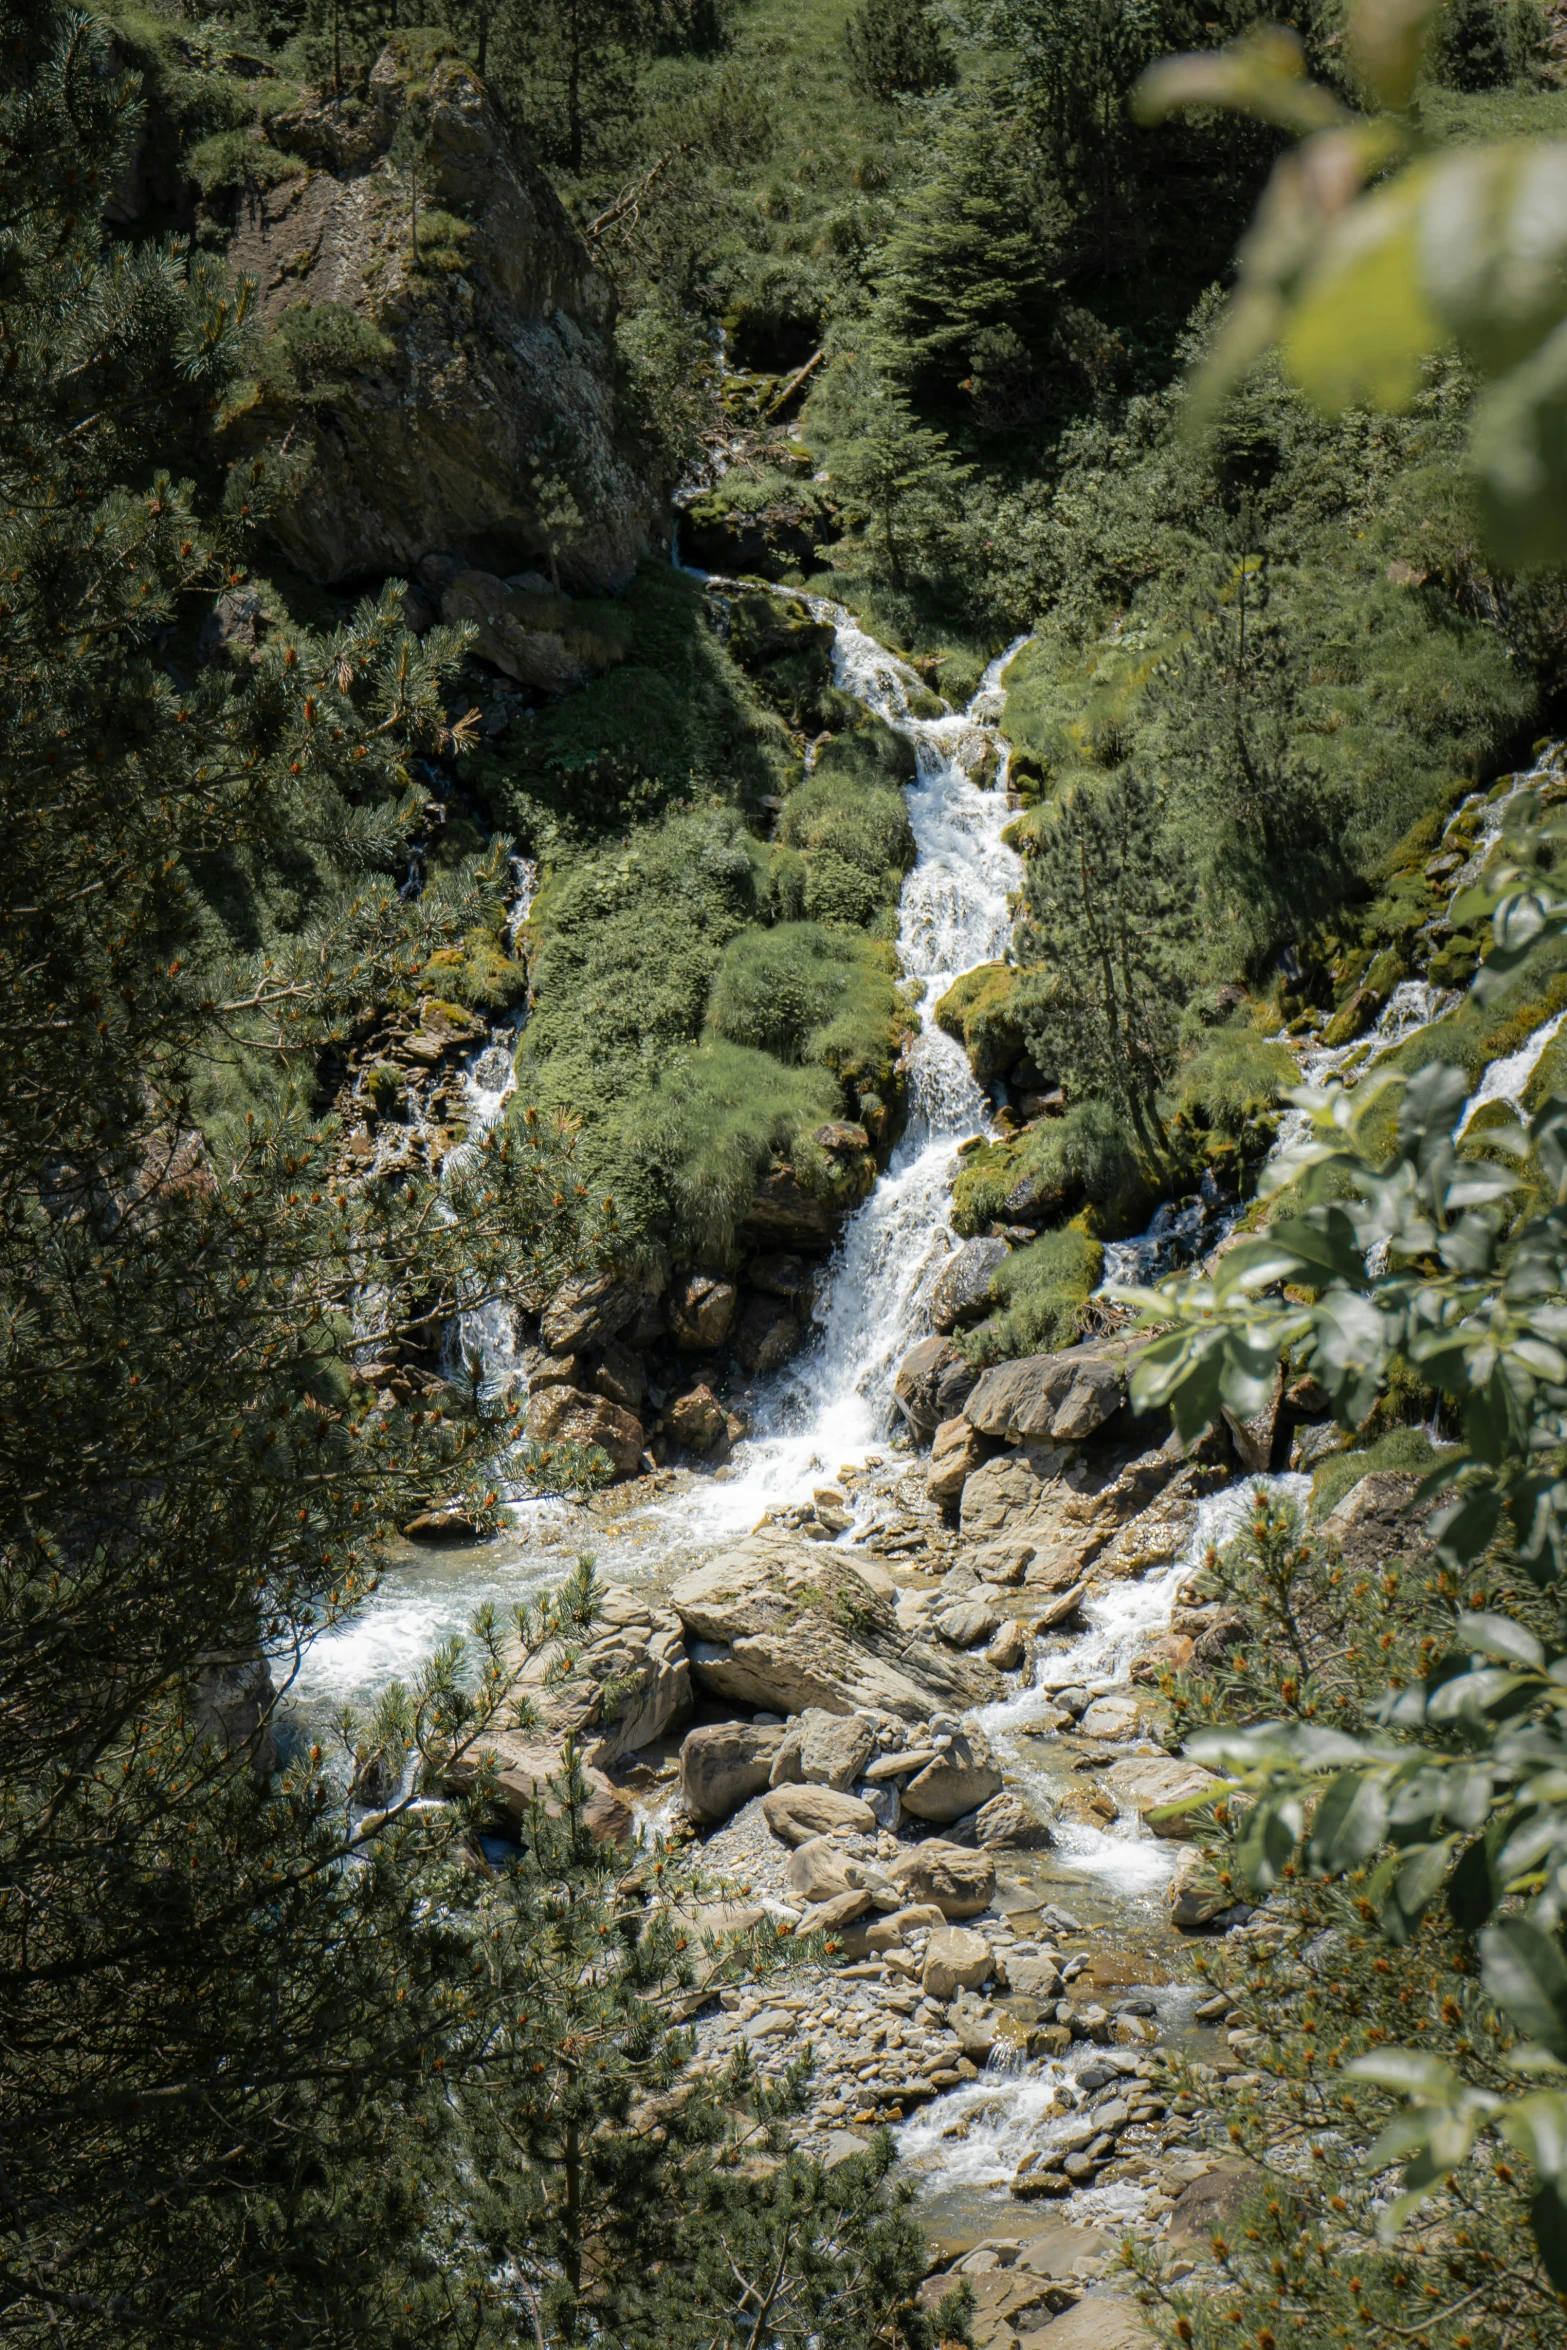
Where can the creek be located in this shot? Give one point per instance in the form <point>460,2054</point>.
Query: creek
<point>830,1411</point>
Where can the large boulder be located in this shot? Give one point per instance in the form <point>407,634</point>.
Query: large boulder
<point>1101,2321</point>
<point>956,1451</point>
<point>799,1813</point>
<point>565,1415</point>
<point>956,1959</point>
<point>961,1295</point>
<point>585,1311</point>
<point>526,1766</point>
<point>723,1764</point>
<point>1009,1823</point>
<point>1374,1524</point>
<point>545,641</point>
<point>783,1624</point>
<point>1146,1782</point>
<point>962,1777</point>
<point>958,1881</point>
<point>1066,1396</point>
<point>445,382</point>
<point>701,1310</point>
<point>629,1684</point>
<point>916,1385</point>
<point>824,1750</point>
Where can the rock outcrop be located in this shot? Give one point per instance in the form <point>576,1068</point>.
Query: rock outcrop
<point>784,1625</point>
<point>460,399</point>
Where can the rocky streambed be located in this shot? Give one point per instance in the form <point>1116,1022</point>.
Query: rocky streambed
<point>889,1673</point>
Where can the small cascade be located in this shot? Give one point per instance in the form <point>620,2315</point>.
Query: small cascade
<point>955,912</point>
<point>1507,1080</point>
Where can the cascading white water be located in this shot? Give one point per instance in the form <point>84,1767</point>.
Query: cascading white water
<point>955,912</point>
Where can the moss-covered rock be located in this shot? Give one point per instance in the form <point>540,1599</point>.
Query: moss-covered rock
<point>981,1011</point>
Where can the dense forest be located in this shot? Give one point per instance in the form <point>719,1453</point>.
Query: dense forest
<point>559,566</point>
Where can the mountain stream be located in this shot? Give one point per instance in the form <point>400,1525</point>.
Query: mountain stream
<point>829,1412</point>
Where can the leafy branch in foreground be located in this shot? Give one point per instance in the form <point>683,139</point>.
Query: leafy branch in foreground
<point>1451,1256</point>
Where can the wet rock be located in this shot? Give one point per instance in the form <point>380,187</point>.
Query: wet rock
<point>620,1376</point>
<point>916,1384</point>
<point>799,1813</point>
<point>701,1310</point>
<point>963,1776</point>
<point>967,1623</point>
<point>451,1524</point>
<point>1010,1823</point>
<point>234,1698</point>
<point>1111,1717</point>
<point>697,1421</point>
<point>767,1334</point>
<point>543,1369</point>
<point>1066,1395</point>
<point>961,1295</point>
<point>558,1415</point>
<point>1008,1652</point>
<point>723,1764</point>
<point>585,1311</point>
<point>1144,1783</point>
<point>956,1959</point>
<point>956,1451</point>
<point>956,1881</point>
<point>1061,1609</point>
<point>783,1624</point>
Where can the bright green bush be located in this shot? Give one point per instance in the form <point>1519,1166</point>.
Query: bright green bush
<point>1050,1170</point>
<point>1042,1292</point>
<point>707,1129</point>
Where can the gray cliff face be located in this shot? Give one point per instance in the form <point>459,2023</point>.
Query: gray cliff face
<point>496,373</point>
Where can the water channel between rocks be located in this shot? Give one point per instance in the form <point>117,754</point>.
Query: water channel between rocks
<point>830,1410</point>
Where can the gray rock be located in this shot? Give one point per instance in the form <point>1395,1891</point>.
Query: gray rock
<point>796,1814</point>
<point>701,1310</point>
<point>956,1959</point>
<point>566,1415</point>
<point>833,1749</point>
<point>961,1295</point>
<point>437,442</point>
<point>967,1624</point>
<point>1146,1782</point>
<point>585,1311</point>
<point>958,1882</point>
<point>1008,1652</point>
<point>961,1779</point>
<point>1211,2206</point>
<point>1066,1395</point>
<point>916,1384</point>
<point>957,1450</point>
<point>724,1764</point>
<point>1009,1823</point>
<point>784,1624</point>
<point>636,1650</point>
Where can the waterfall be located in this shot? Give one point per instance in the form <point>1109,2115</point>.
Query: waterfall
<point>955,912</point>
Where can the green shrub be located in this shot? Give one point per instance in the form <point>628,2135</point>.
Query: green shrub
<point>895,49</point>
<point>979,1010</point>
<point>315,347</point>
<point>1042,1292</point>
<point>1235,1077</point>
<point>1059,1163</point>
<point>707,1129</point>
<point>1409,1449</point>
<point>857,841</point>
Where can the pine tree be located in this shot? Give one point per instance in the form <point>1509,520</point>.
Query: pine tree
<point>1102,920</point>
<point>894,49</point>
<point>895,478</point>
